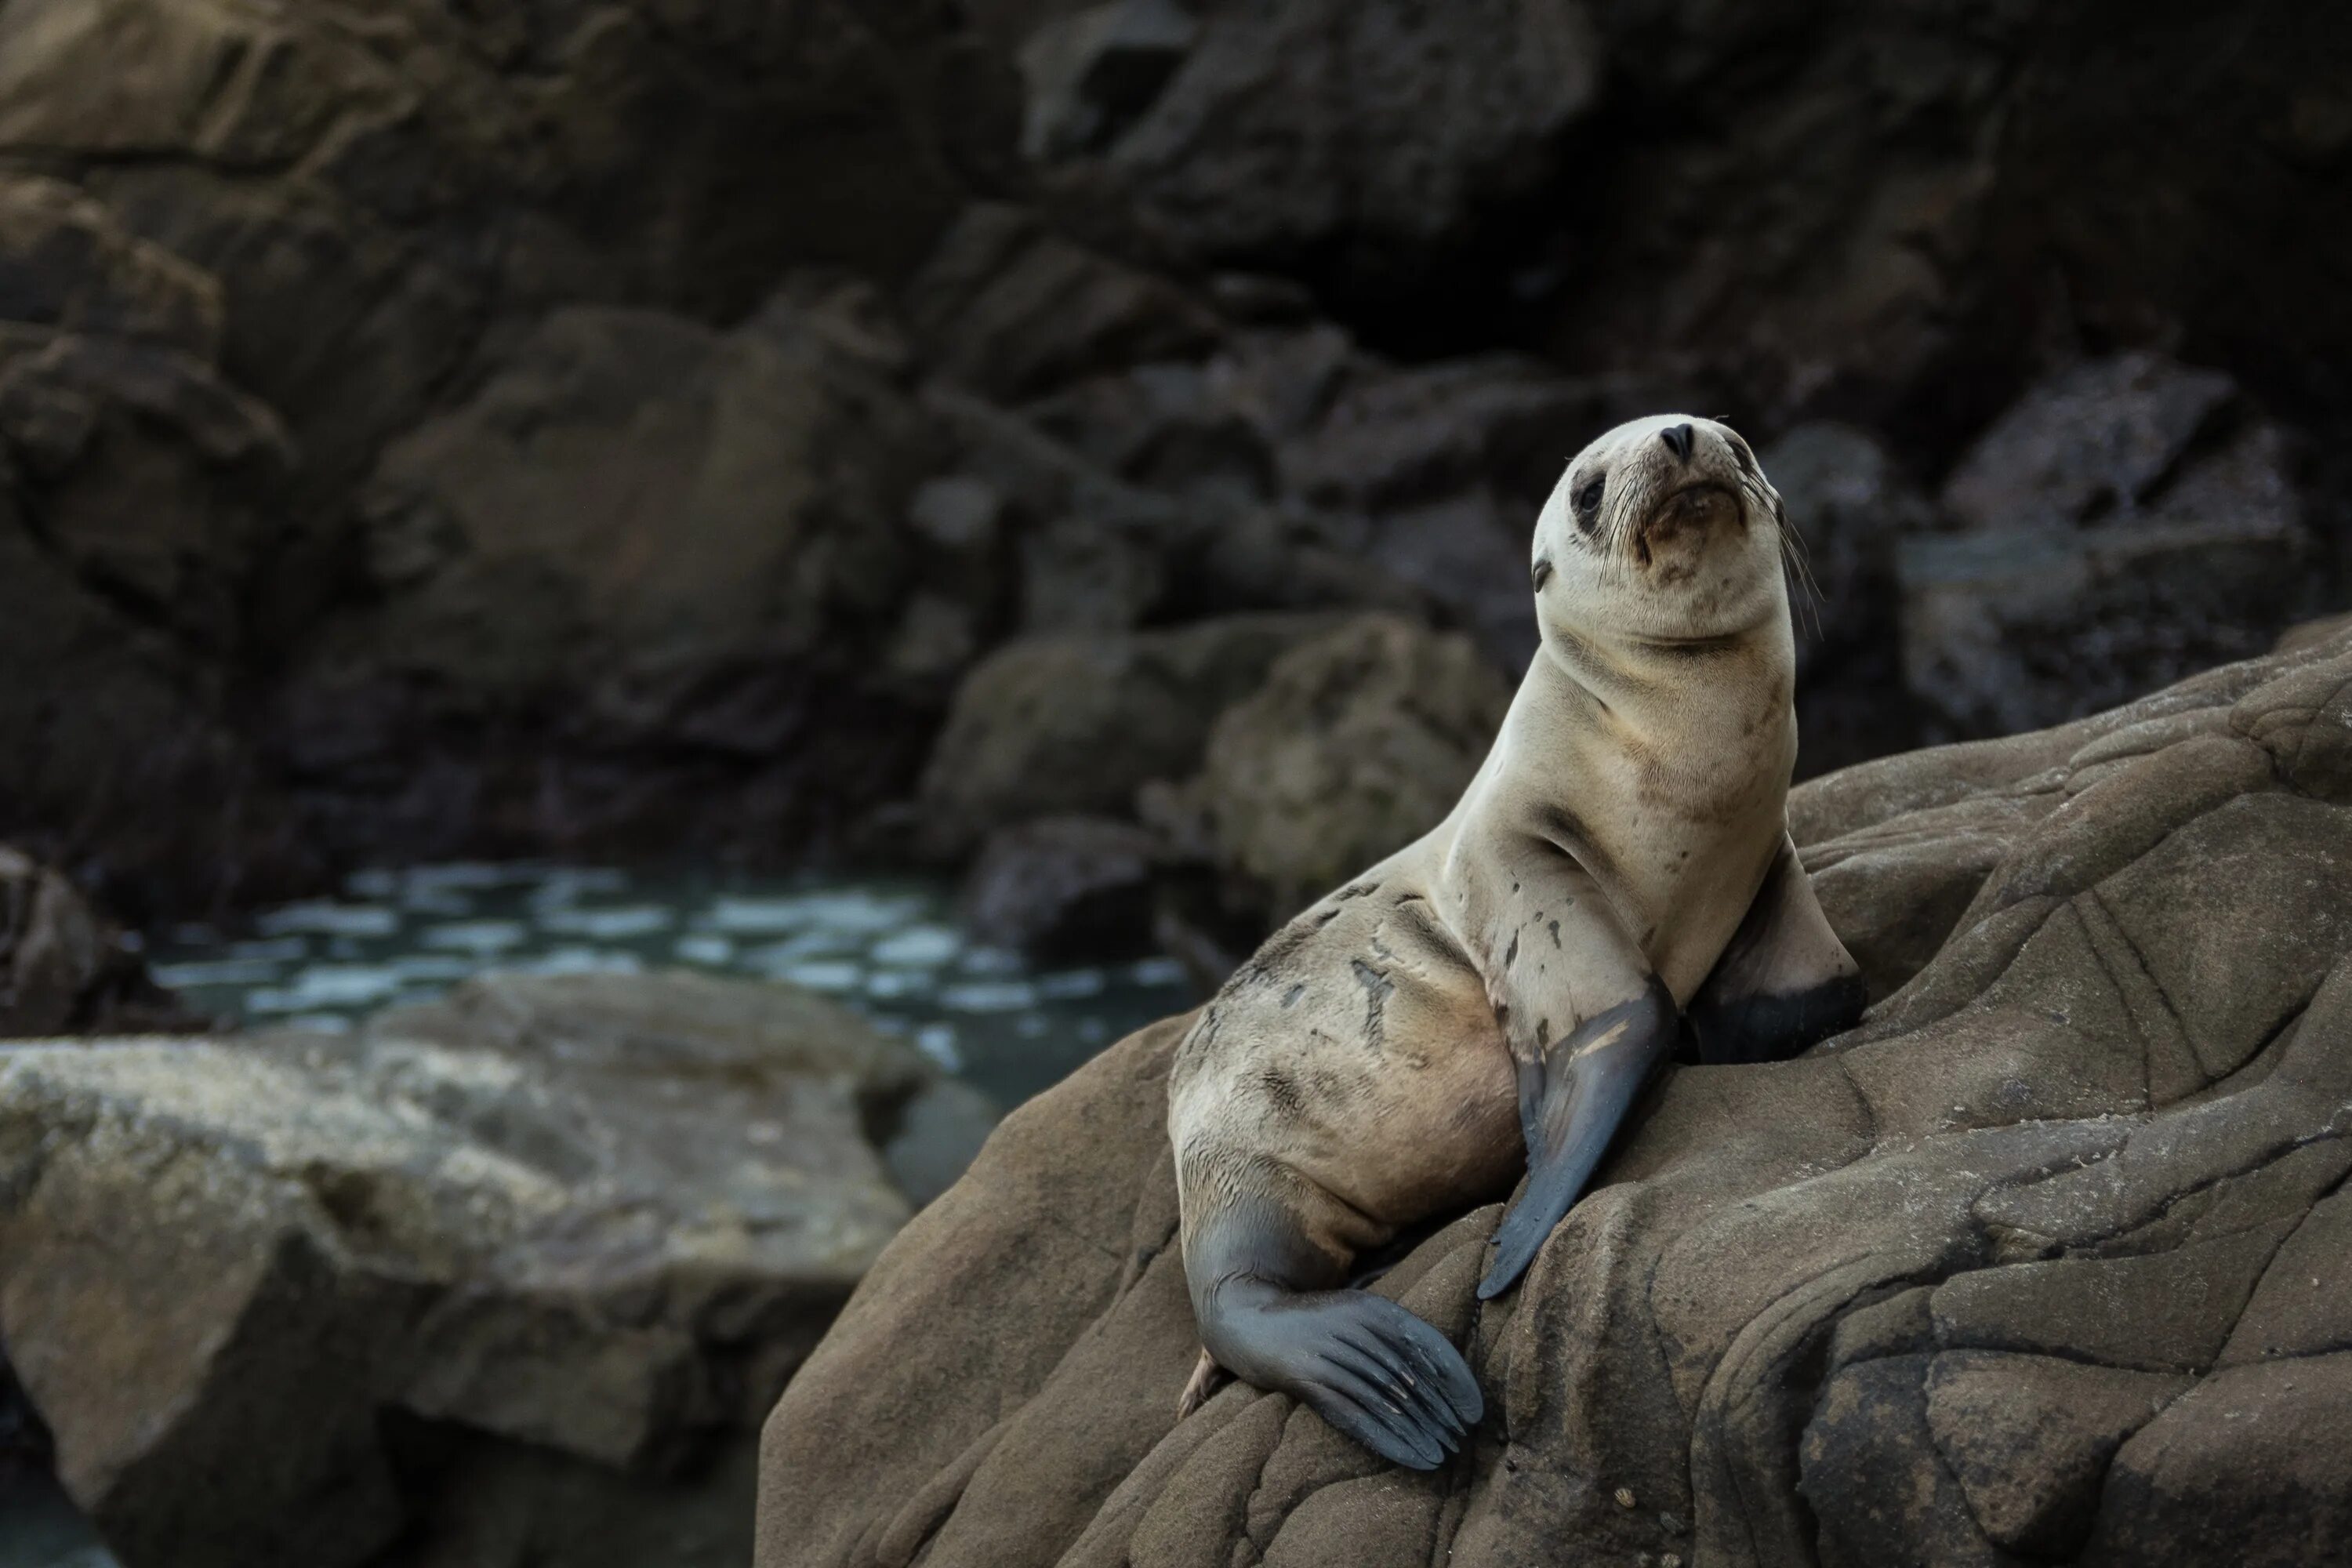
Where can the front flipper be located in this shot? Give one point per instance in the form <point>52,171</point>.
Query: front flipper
<point>1784,983</point>
<point>1573,1099</point>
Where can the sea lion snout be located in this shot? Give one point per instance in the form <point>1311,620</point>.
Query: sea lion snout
<point>1679,527</point>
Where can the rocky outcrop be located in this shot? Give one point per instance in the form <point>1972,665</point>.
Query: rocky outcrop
<point>378,381</point>
<point>502,1279</point>
<point>643,537</point>
<point>2042,1261</point>
<point>1379,130</point>
<point>2128,522</point>
<point>1065,887</point>
<point>1358,741</point>
<point>1851,506</point>
<point>66,969</point>
<point>1078,724</point>
<point>243,248</point>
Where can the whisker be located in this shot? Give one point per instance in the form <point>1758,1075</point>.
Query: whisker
<point>1806,589</point>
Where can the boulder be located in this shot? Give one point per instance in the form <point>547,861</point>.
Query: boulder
<point>1136,499</point>
<point>1377,131</point>
<point>1011,309</point>
<point>66,969</point>
<point>643,538</point>
<point>2127,524</point>
<point>1091,74</point>
<point>266,242</point>
<point>1058,725</point>
<point>2041,1259</point>
<point>138,497</point>
<point>1849,503</point>
<point>1359,743</point>
<point>1065,887</point>
<point>1446,467</point>
<point>504,1279</point>
<point>637,499</point>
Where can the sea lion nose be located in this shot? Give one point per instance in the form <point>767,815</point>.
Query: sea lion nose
<point>1677,438</point>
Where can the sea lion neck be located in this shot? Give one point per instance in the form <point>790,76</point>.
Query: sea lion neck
<point>1640,679</point>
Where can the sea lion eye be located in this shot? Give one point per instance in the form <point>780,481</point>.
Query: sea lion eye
<point>1587,502</point>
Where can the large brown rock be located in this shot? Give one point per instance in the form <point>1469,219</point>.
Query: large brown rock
<point>508,1278</point>
<point>1359,743</point>
<point>642,535</point>
<point>2035,1260</point>
<point>266,242</point>
<point>1050,726</point>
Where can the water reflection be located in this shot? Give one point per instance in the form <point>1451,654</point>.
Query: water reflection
<point>891,948</point>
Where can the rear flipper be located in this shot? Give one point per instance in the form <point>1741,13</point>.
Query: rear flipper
<point>1365,1364</point>
<point>1573,1099</point>
<point>1784,982</point>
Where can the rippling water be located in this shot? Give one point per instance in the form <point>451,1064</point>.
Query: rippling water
<point>891,948</point>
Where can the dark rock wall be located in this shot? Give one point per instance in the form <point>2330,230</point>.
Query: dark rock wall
<point>618,428</point>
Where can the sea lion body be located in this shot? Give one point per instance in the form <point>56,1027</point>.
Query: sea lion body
<point>1496,994</point>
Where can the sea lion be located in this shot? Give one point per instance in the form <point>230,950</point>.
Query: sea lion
<point>1616,882</point>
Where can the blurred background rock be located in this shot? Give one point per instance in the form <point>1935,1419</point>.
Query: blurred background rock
<point>643,431</point>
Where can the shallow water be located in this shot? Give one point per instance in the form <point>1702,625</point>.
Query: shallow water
<point>40,1529</point>
<point>891,948</point>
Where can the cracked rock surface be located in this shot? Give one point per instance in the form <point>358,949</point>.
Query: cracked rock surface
<point>2045,1261</point>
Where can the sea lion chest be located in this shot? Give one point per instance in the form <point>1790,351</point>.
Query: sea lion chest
<point>1672,784</point>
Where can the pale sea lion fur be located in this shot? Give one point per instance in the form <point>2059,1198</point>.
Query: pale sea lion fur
<point>1616,881</point>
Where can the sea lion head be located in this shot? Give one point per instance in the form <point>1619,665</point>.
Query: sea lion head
<point>1665,531</point>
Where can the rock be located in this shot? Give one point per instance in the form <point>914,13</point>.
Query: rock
<point>65,969</point>
<point>1065,887</point>
<point>261,233</point>
<point>1987,1275</point>
<point>1095,551</point>
<point>2029,1438</point>
<point>1447,466</point>
<point>2312,632</point>
<point>1010,308</point>
<point>2102,439</point>
<point>2246,1468</point>
<point>1379,131</point>
<point>1049,726</point>
<point>642,535</point>
<point>638,496</point>
<point>505,1278</point>
<point>2121,532</point>
<point>67,264</point>
<point>150,478</point>
<point>1848,504</point>
<point>1089,75</point>
<point>333,179</point>
<point>935,1136</point>
<point>1359,743</point>
<point>138,489</point>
